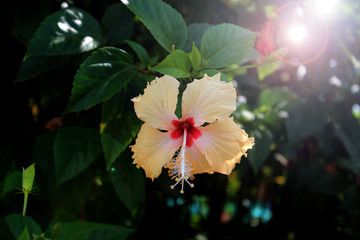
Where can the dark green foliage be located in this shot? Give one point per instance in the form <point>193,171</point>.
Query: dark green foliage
<point>128,183</point>
<point>75,148</point>
<point>261,150</point>
<point>226,44</point>
<point>68,31</point>
<point>176,64</point>
<point>117,24</point>
<point>140,52</point>
<point>92,231</point>
<point>17,223</point>
<point>165,24</point>
<point>119,125</point>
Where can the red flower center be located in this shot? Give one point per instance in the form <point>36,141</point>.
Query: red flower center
<point>188,125</point>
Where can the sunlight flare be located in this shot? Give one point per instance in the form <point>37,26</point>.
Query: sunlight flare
<point>324,7</point>
<point>297,34</point>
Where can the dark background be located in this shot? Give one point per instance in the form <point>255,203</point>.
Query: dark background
<point>300,181</point>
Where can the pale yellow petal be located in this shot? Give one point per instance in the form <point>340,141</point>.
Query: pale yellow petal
<point>158,103</point>
<point>216,77</point>
<point>208,99</point>
<point>198,160</point>
<point>223,143</point>
<point>153,149</point>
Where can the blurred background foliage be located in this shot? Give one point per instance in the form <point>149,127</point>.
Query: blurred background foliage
<point>300,181</point>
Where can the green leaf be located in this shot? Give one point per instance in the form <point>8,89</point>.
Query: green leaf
<point>24,235</point>
<point>75,148</point>
<point>195,57</point>
<point>254,54</point>
<point>260,151</point>
<point>128,182</point>
<point>36,65</point>
<point>28,177</point>
<point>165,24</point>
<point>117,23</point>
<point>17,223</point>
<point>71,196</point>
<point>355,62</point>
<point>119,125</point>
<point>275,96</point>
<point>272,63</point>
<point>140,52</point>
<point>40,237</point>
<point>68,31</point>
<point>11,182</point>
<point>176,64</point>
<point>226,44</point>
<point>92,231</point>
<point>277,55</point>
<point>112,149</point>
<point>102,74</point>
<point>195,34</point>
<point>266,69</point>
<point>178,110</point>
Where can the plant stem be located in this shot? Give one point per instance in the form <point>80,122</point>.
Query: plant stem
<point>240,67</point>
<point>144,71</point>
<point>26,195</point>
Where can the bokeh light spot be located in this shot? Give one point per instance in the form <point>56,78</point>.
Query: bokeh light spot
<point>332,63</point>
<point>355,88</point>
<point>356,110</point>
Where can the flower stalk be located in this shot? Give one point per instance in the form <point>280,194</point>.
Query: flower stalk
<point>26,196</point>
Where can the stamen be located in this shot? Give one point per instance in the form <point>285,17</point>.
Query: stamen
<point>180,168</point>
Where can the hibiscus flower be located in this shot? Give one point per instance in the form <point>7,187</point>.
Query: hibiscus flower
<point>204,140</point>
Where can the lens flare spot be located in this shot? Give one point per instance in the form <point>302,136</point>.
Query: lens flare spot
<point>297,34</point>
<point>324,7</point>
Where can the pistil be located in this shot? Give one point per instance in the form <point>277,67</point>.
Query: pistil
<point>180,167</point>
